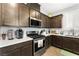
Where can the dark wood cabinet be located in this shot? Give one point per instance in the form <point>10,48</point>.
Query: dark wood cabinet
<point>47,22</point>
<point>75,45</point>
<point>15,52</point>
<point>56,21</point>
<point>71,44</point>
<point>37,15</point>
<point>10,14</point>
<point>32,13</point>
<point>23,15</point>
<point>57,41</point>
<point>48,41</point>
<point>26,51</point>
<point>20,49</point>
<point>40,16</point>
<point>34,10</point>
<point>18,15</point>
<point>67,43</point>
<point>35,6</point>
<point>43,18</point>
<point>14,15</point>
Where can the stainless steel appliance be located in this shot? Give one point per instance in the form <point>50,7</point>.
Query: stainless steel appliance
<point>33,22</point>
<point>10,34</point>
<point>38,43</point>
<point>39,50</point>
<point>19,33</point>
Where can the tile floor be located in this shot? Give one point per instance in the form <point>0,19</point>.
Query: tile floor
<point>52,51</point>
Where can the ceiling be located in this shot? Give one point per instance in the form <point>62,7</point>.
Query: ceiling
<point>50,8</point>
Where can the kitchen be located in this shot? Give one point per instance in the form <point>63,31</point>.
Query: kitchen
<point>36,29</point>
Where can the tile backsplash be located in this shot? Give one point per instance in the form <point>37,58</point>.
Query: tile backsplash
<point>75,32</point>
<point>5,29</point>
<point>71,32</point>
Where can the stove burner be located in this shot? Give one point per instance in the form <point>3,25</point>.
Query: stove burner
<point>35,36</point>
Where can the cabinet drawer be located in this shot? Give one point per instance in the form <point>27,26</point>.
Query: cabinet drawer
<point>15,52</point>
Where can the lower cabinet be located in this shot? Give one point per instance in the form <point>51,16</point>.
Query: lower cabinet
<point>26,51</point>
<point>57,41</point>
<point>21,49</point>
<point>71,44</point>
<point>48,41</point>
<point>76,46</point>
<point>67,43</point>
<point>15,52</point>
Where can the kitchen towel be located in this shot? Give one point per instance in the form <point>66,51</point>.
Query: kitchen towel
<point>40,43</point>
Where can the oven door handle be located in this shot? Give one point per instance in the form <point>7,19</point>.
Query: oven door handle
<point>37,41</point>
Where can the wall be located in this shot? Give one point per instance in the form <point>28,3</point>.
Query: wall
<point>70,17</point>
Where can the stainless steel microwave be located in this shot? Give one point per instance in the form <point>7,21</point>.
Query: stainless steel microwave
<point>35,22</point>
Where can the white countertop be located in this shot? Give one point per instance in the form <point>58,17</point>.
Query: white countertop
<point>52,34</point>
<point>61,35</point>
<point>4,43</point>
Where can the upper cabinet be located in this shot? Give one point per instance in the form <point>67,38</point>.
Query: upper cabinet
<point>56,21</point>
<point>37,14</point>
<point>14,14</point>
<point>18,15</point>
<point>34,10</point>
<point>45,21</point>
<point>10,14</point>
<point>35,6</point>
<point>43,18</point>
<point>48,22</point>
<point>32,13</point>
<point>23,15</point>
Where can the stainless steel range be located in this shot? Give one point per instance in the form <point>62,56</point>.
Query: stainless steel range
<point>38,43</point>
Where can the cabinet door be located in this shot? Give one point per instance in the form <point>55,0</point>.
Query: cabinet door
<point>48,41</point>
<point>37,14</point>
<point>35,6</point>
<point>72,44</point>
<point>10,14</point>
<point>53,40</point>
<point>57,41</point>
<point>26,51</point>
<point>56,21</point>
<point>15,52</point>
<point>47,22</point>
<point>76,45</point>
<point>32,13</point>
<point>23,15</point>
<point>43,18</point>
<point>68,43</point>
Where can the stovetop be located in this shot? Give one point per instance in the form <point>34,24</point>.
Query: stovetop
<point>35,36</point>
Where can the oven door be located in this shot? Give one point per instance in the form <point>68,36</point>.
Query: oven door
<point>36,46</point>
